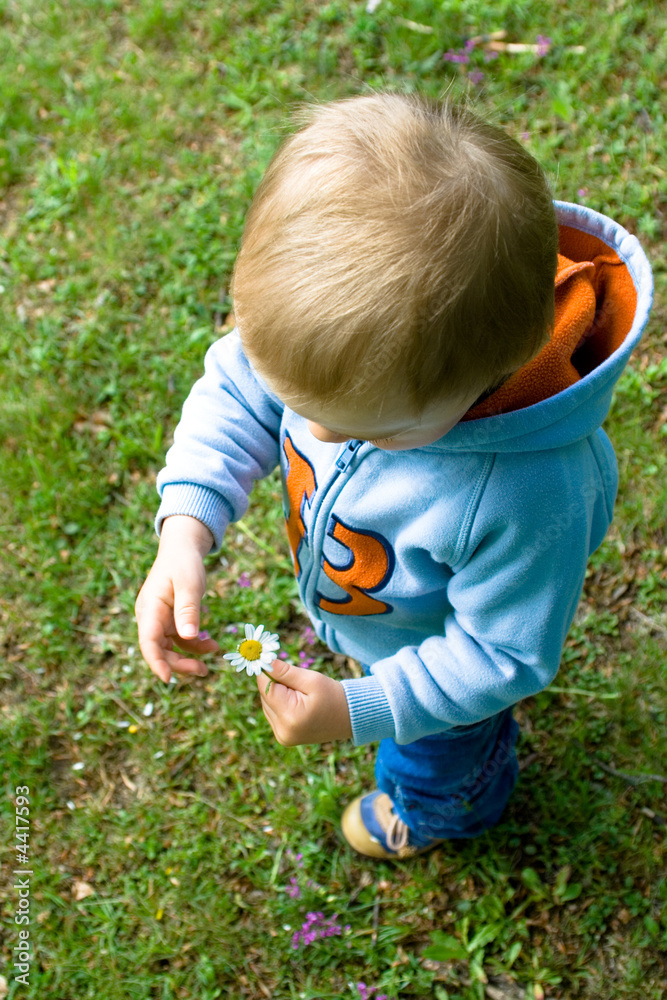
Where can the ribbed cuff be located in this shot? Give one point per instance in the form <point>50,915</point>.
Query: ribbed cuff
<point>196,501</point>
<point>370,713</point>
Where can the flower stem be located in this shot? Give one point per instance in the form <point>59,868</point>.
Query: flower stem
<point>272,680</point>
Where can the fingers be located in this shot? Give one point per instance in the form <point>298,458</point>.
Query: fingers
<point>202,644</point>
<point>189,583</point>
<point>163,662</point>
<point>168,614</point>
<point>290,676</point>
<point>186,614</point>
<point>152,654</point>
<point>157,639</point>
<point>304,706</point>
<point>277,707</point>
<point>185,665</point>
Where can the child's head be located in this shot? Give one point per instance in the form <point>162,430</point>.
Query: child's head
<point>399,256</point>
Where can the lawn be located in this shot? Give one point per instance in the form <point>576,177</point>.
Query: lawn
<point>176,849</point>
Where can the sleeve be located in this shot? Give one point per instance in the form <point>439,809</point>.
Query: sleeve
<point>227,438</point>
<point>513,597</point>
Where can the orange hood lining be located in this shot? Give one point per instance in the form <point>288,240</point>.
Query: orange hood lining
<point>595,305</point>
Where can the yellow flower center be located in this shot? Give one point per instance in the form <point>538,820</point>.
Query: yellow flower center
<point>250,649</point>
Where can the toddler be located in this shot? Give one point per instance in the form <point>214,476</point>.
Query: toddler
<point>427,345</point>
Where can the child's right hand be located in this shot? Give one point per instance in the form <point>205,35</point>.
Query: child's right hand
<point>169,602</point>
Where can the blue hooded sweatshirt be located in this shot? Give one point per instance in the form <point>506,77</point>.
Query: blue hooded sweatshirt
<point>454,570</point>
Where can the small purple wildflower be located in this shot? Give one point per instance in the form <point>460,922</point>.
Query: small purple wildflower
<point>293,890</point>
<point>469,45</point>
<point>366,993</point>
<point>525,136</point>
<point>283,655</point>
<point>543,44</point>
<point>204,635</point>
<point>243,580</point>
<point>456,57</point>
<point>490,56</point>
<point>582,192</point>
<point>306,661</point>
<point>316,926</point>
<point>308,635</point>
<point>476,76</point>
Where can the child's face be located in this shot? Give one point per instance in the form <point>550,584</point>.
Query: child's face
<point>391,433</point>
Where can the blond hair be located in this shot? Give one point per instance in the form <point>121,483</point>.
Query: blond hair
<point>396,249</point>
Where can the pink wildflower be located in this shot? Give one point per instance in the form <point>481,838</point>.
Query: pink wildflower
<point>543,44</point>
<point>456,57</point>
<point>476,76</point>
<point>243,580</point>
<point>293,890</point>
<point>366,993</point>
<point>316,926</point>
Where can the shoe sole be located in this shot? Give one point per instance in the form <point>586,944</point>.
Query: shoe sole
<point>358,836</point>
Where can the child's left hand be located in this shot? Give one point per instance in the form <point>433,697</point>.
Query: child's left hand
<point>304,706</point>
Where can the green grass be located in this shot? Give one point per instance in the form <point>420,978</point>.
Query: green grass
<point>132,136</point>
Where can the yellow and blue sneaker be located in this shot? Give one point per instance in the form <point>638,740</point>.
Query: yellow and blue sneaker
<point>372,827</point>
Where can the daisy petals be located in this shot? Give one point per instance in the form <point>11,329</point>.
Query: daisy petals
<point>269,643</point>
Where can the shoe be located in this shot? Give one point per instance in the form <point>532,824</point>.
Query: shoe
<point>372,828</point>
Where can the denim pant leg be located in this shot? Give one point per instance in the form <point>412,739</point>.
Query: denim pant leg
<point>453,784</point>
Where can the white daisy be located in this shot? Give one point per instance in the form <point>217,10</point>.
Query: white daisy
<point>256,652</point>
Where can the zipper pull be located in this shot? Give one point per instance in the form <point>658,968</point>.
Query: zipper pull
<point>344,460</point>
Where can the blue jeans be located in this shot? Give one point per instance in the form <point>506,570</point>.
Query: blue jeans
<point>454,784</point>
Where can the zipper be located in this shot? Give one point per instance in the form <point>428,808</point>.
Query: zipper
<point>343,460</point>
<point>341,466</point>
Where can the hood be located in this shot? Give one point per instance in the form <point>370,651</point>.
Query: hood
<point>604,291</point>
